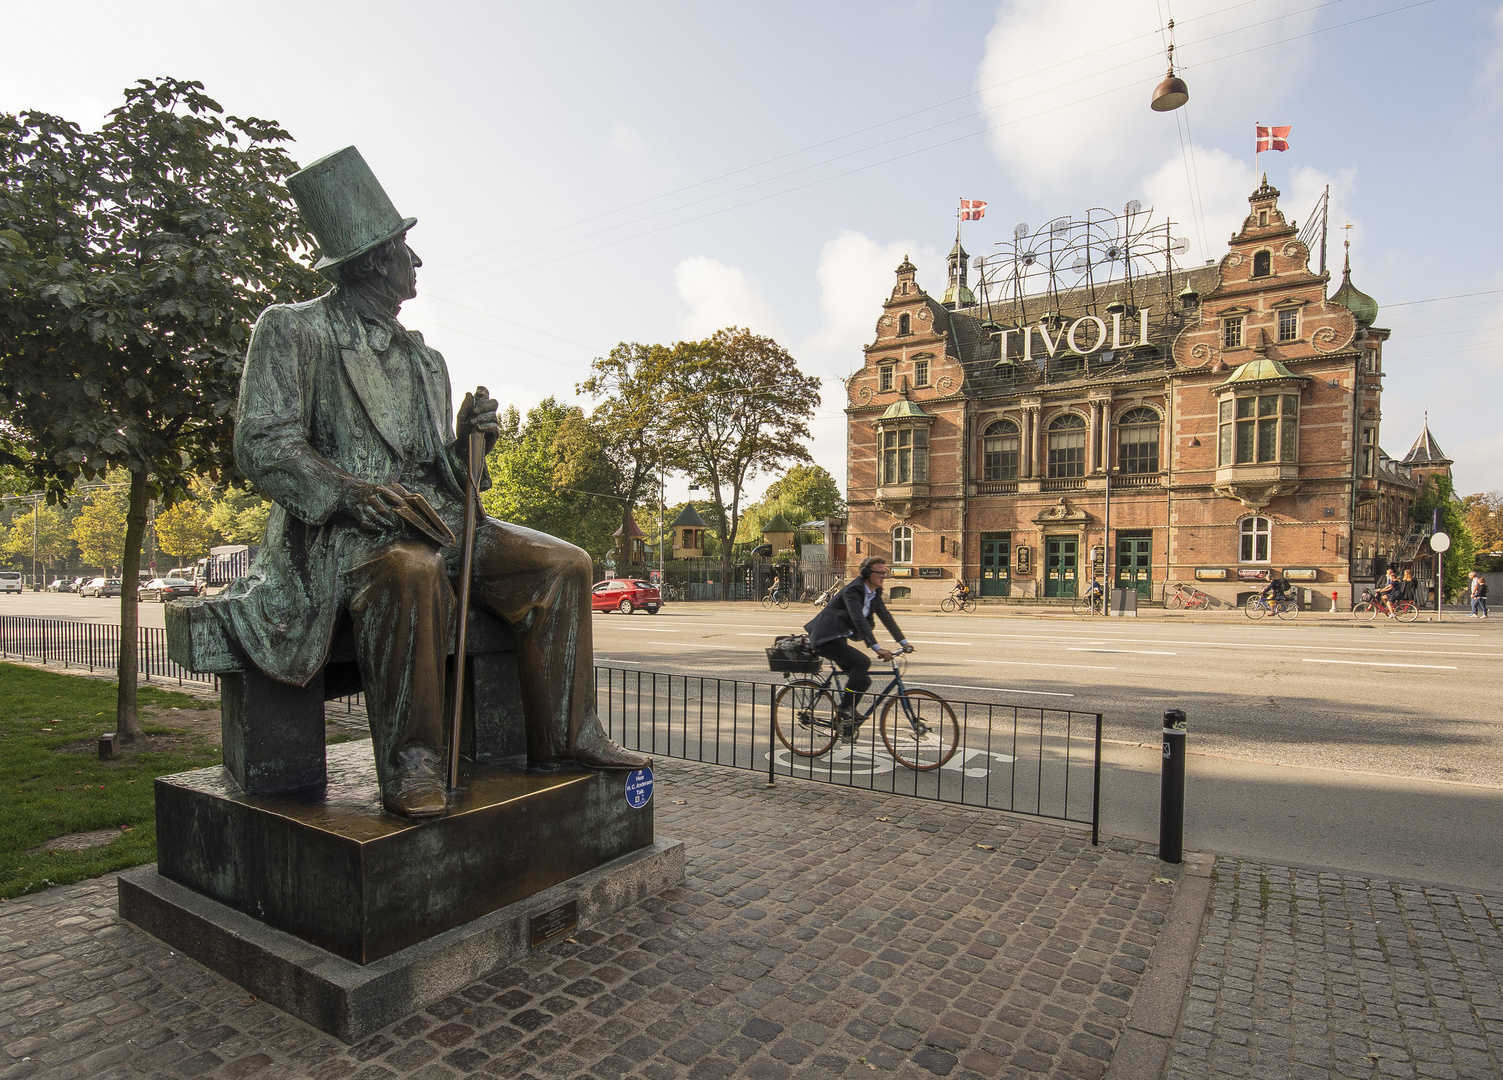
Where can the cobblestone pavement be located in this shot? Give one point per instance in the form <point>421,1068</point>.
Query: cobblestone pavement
<point>821,932</point>
<point>1305,974</point>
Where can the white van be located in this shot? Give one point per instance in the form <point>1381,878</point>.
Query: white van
<point>10,581</point>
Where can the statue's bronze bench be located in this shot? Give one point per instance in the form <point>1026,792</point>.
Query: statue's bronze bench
<point>274,733</point>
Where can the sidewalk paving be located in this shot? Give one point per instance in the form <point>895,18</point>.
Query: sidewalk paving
<point>826,932</point>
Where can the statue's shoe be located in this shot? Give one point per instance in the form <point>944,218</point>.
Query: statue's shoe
<point>601,753</point>
<point>418,787</point>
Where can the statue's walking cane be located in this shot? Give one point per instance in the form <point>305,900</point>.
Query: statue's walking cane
<point>462,611</point>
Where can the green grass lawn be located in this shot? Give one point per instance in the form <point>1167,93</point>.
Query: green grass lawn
<point>52,782</point>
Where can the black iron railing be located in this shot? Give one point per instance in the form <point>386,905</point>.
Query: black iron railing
<point>1042,762</point>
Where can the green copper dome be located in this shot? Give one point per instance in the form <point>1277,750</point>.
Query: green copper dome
<point>1362,306</point>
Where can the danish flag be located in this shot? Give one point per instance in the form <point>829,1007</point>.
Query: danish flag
<point>1273,138</point>
<point>972,209</point>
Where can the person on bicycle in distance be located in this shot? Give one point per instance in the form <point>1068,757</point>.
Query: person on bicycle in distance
<point>851,614</point>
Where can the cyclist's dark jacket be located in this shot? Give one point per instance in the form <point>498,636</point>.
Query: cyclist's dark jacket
<point>1278,589</point>
<point>841,618</point>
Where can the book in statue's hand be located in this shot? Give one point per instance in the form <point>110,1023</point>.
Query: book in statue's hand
<point>418,513</point>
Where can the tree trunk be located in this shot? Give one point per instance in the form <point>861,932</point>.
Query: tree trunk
<point>127,717</point>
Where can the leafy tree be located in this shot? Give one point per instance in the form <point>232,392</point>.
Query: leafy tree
<point>1483,513</point>
<point>1438,493</point>
<point>810,487</point>
<point>525,468</point>
<point>738,406</point>
<point>183,531</point>
<point>99,531</point>
<point>628,421</point>
<point>133,262</point>
<point>239,516</point>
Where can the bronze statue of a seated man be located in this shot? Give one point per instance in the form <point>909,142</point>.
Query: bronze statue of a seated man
<point>341,411</point>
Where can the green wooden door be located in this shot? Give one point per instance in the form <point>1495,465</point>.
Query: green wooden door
<point>996,564</point>
<point>1061,565</point>
<point>1135,564</point>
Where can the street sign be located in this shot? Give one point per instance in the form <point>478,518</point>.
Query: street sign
<point>1440,542</point>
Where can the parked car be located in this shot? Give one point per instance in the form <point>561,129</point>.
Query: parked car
<point>10,581</point>
<point>62,584</point>
<point>101,587</point>
<point>625,595</point>
<point>165,589</point>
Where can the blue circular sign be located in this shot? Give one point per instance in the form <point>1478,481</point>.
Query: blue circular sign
<point>639,788</point>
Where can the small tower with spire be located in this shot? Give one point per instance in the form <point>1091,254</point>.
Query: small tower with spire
<point>1363,307</point>
<point>1425,458</point>
<point>956,292</point>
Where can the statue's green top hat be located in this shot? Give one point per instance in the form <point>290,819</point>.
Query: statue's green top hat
<point>345,207</point>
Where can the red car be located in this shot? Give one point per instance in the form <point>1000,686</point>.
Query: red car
<point>625,595</point>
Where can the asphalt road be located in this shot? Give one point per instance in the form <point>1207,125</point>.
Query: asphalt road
<point>1369,748</point>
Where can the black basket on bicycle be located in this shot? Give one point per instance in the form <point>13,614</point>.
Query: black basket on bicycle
<point>792,653</point>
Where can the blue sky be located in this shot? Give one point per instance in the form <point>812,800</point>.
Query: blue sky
<point>587,173</point>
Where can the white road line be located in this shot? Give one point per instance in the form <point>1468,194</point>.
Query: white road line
<point>613,660</point>
<point>920,641</point>
<point>1381,663</point>
<point>992,689</point>
<point>1432,633</point>
<point>1135,652</point>
<point>649,630</point>
<point>1038,663</point>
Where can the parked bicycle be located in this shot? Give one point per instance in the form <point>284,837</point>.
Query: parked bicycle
<point>676,590</point>
<point>1257,607</point>
<point>1092,603</point>
<point>1187,596</point>
<point>961,598</point>
<point>918,728</point>
<point>1369,606</point>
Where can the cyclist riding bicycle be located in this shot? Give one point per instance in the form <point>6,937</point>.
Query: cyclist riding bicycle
<point>777,587</point>
<point>962,591</point>
<point>851,614</point>
<point>1277,590</point>
<point>1388,594</point>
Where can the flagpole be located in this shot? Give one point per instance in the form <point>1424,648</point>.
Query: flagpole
<point>1255,144</point>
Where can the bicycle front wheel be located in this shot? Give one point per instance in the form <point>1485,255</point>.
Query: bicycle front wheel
<point>920,730</point>
<point>1365,610</point>
<point>1255,608</point>
<point>1084,605</point>
<point>1288,610</point>
<point>968,605</point>
<point>767,600</point>
<point>1407,613</point>
<point>947,604</point>
<point>803,715</point>
<point>1174,600</point>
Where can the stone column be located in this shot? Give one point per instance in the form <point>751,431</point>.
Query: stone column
<point>1033,443</point>
<point>1093,442</point>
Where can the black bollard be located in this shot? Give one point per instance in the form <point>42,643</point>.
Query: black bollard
<point>1172,793</point>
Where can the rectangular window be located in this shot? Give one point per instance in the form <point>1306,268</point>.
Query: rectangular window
<point>905,456</point>
<point>1265,429</point>
<point>1224,449</point>
<point>1140,449</point>
<point>884,378</point>
<point>1245,429</point>
<point>1231,332</point>
<point>999,458</point>
<point>1289,324</point>
<point>921,373</point>
<point>1067,453</point>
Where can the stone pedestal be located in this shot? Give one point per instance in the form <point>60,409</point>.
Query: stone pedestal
<point>277,891</point>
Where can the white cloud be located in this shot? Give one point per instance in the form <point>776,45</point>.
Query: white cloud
<point>855,275</point>
<point>718,296</point>
<point>1059,127</point>
<point>1224,182</point>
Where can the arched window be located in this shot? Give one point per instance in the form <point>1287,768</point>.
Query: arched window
<point>999,451</point>
<point>899,592</point>
<point>905,326</point>
<point>1262,264</point>
<point>1255,535</point>
<point>902,544</point>
<point>1138,441</point>
<point>1067,439</point>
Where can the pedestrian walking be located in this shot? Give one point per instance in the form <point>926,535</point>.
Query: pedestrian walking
<point>1477,590</point>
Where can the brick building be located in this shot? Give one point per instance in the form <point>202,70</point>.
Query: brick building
<point>1210,424</point>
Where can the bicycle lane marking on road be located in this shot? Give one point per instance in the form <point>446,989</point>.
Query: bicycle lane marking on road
<point>861,761</point>
<point>991,689</point>
<point>1036,663</point>
<point>1134,652</point>
<point>1381,663</point>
